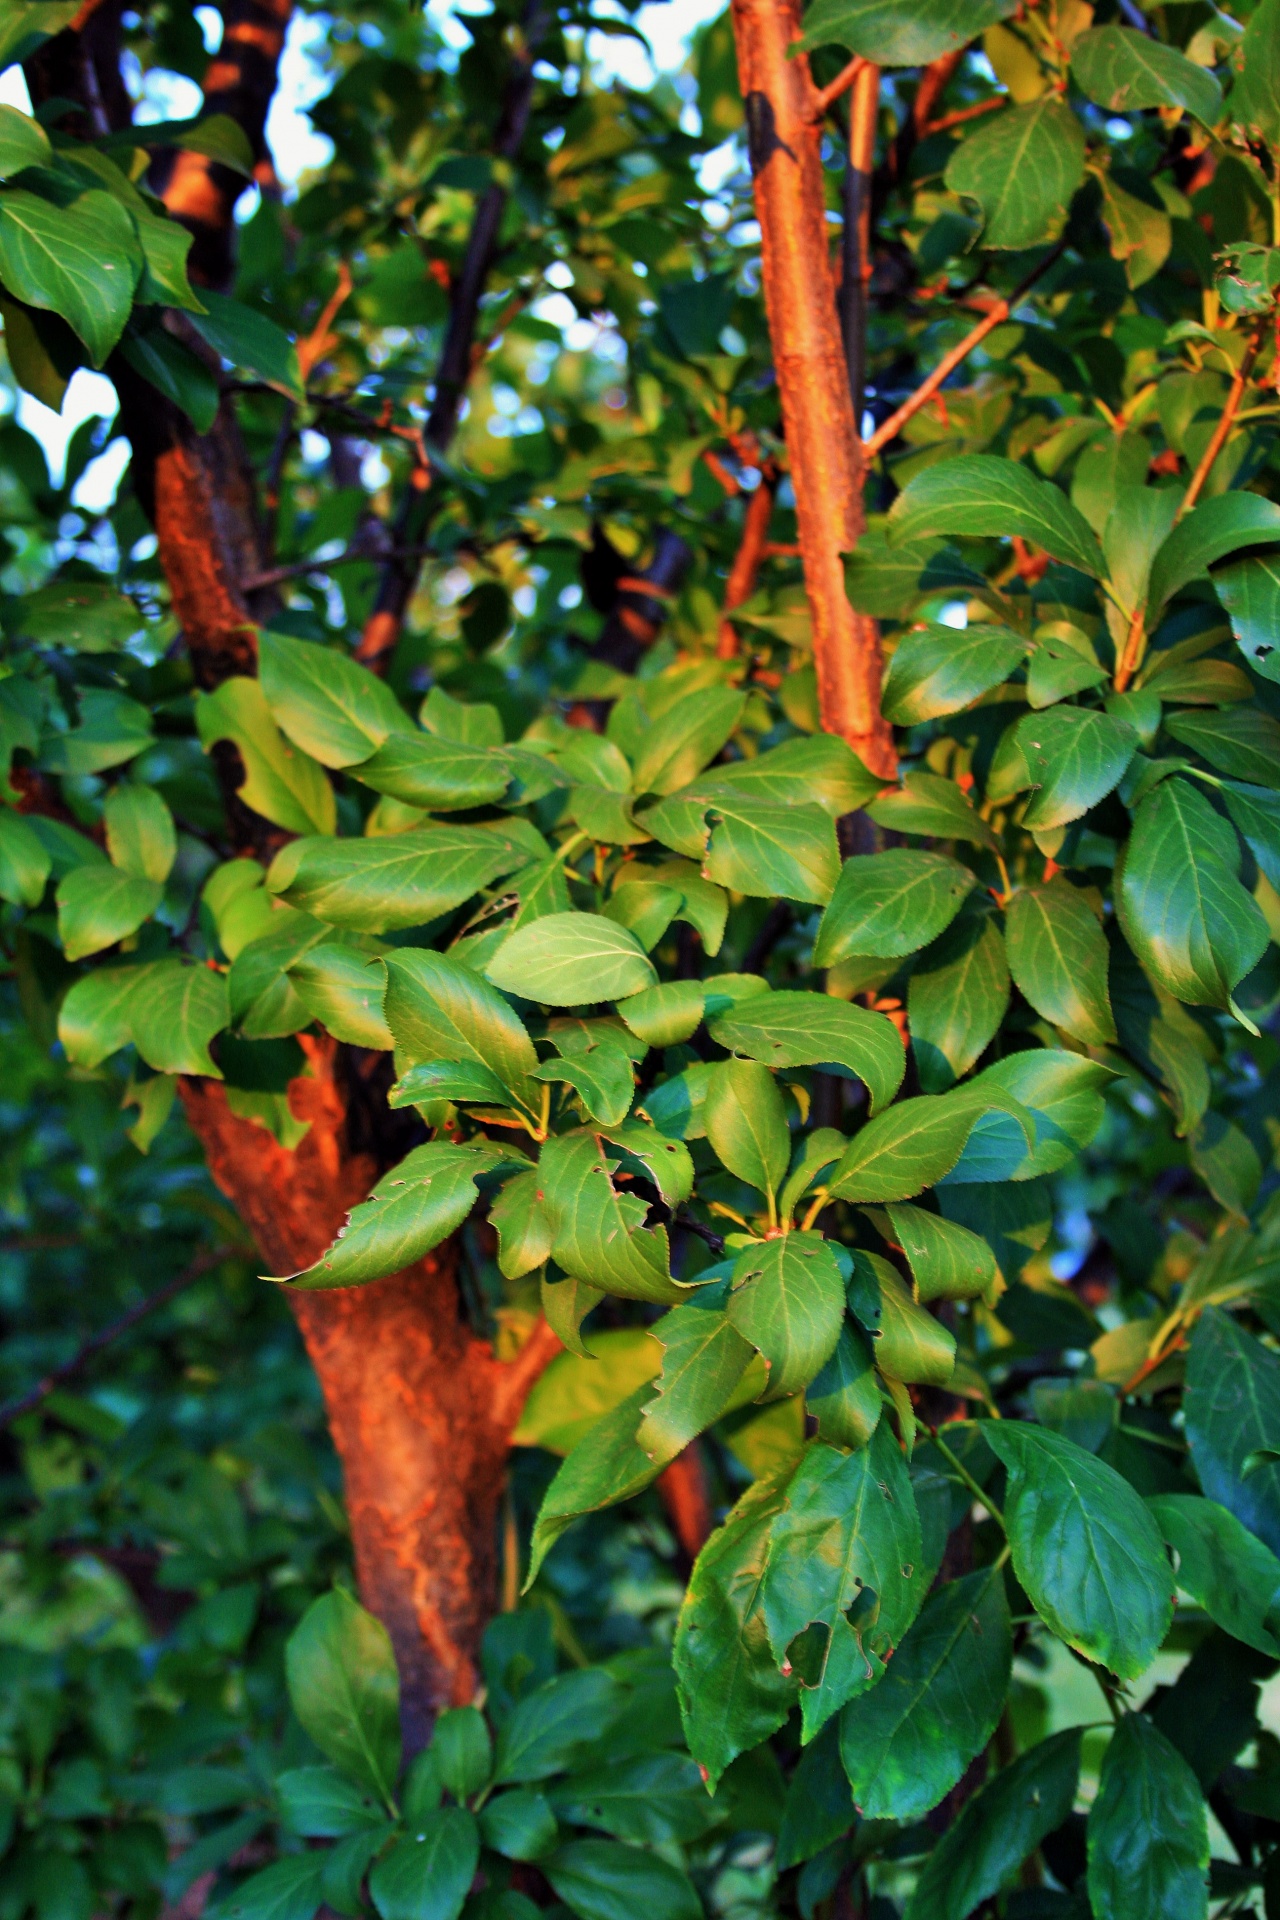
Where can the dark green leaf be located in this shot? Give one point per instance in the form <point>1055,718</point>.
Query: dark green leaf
<point>462,1751</point>
<point>426,772</point>
<point>793,1030</point>
<point>997,1829</point>
<point>345,1691</point>
<point>845,1397</point>
<point>704,1358</point>
<point>173,1019</point>
<point>937,670</point>
<point>173,371</point>
<point>97,907</point>
<point>598,1234</point>
<point>1073,757</point>
<point>890,904</point>
<point>925,803</point>
<point>653,1798</point>
<point>1185,914</point>
<point>1084,1547</point>
<point>329,705</point>
<point>428,1874</point>
<point>342,988</point>
<point>519,1825</point>
<point>289,1889</point>
<point>605,1880</point>
<point>24,861</point>
<point>250,340</point>
<point>439,1009</point>
<point>323,1803</point>
<point>680,744</point>
<point>745,1121</point>
<point>1058,959</point>
<point>788,1301</point>
<point>899,1153</point>
<point>981,494</point>
<point>957,997</point>
<point>1120,69</point>
<point>1022,167</point>
<point>23,143</point>
<point>894,36</point>
<point>284,785</point>
<point>948,1262</point>
<point>76,260</point>
<point>907,1742</point>
<point>571,959</point>
<point>1148,1830</point>
<point>1250,592</point>
<point>1212,530</point>
<point>550,1728</point>
<point>1232,1405</point>
<point>1244,743</point>
<point>1223,1568</point>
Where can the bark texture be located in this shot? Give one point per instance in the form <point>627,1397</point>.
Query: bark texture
<point>824,454</point>
<point>420,1410</point>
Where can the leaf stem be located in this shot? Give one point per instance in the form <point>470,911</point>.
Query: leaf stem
<point>969,1481</point>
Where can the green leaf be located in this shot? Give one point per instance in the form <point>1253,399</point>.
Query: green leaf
<point>447,1080</point>
<point>173,371</point>
<point>1244,743</point>
<point>462,1751</point>
<point>1250,592</point>
<point>1123,70</point>
<point>571,959</point>
<point>665,1162</point>
<point>439,1009</point>
<point>957,997</point>
<point>897,36</point>
<point>76,260</point>
<point>1183,911</point>
<point>808,1029</point>
<point>426,772</point>
<point>890,904</point>
<point>601,1075</point>
<point>665,1015</point>
<point>250,340</point>
<point>412,1209</point>
<point>1073,757</point>
<point>1148,1833</point>
<point>343,1686</point>
<point>948,1262</point>
<point>576,1390</point>
<point>732,1695</point>
<point>96,908</point>
<point>888,581</point>
<point>289,1889</point>
<point>899,1153</point>
<point>402,880</point>
<point>1222,1567</point>
<point>1062,663</point>
<point>518,1216</point>
<point>24,861</point>
<point>519,1825</point>
<point>845,1397</point>
<point>112,729</point>
<point>606,1465</point>
<point>43,352</point>
<point>843,1554</point>
<point>908,1343</point>
<point>1232,1406</point>
<point>1022,167</point>
<point>598,1234</point>
<point>937,670</point>
<point>1227,1161</point>
<point>342,988</point>
<point>23,143</point>
<point>329,705</point>
<point>87,615</point>
<point>1212,530</point>
<point>745,1121</point>
<point>1058,959</point>
<point>175,1016</point>
<point>926,803</point>
<point>1255,98</point>
<point>428,1874</point>
<point>141,837</point>
<point>282,784</point>
<point>653,1798</point>
<point>1140,230</point>
<point>788,1301</point>
<point>907,1742</point>
<point>987,496</point>
<point>1059,1090</point>
<point>704,1358</point>
<point>997,1829</point>
<point>550,1730</point>
<point>1085,1548</point>
<point>95,1018</point>
<point>263,1004</point>
<point>323,1804</point>
<point>762,851</point>
<point>605,1880</point>
<point>680,744</point>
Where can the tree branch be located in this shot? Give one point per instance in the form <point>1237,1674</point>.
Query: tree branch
<point>745,570</point>
<point>855,245</point>
<point>889,429</point>
<point>418,502</point>
<point>14,1409</point>
<point>822,444</point>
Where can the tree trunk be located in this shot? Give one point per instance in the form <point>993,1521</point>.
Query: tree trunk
<point>824,453</point>
<point>420,1410</point>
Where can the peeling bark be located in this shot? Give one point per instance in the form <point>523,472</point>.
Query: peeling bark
<point>823,450</point>
<point>420,1410</point>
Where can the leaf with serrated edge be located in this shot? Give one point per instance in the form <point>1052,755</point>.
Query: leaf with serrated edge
<point>807,1029</point>
<point>1058,959</point>
<point>788,1301</point>
<point>890,904</point>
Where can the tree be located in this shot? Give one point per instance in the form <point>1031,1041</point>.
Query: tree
<point>683,1037</point>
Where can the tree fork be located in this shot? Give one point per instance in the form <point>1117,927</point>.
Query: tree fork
<point>784,135</point>
<point>420,1410</point>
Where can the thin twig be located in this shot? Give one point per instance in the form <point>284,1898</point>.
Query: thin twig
<point>958,118</point>
<point>274,575</point>
<point>745,570</point>
<point>1225,424</point>
<point>12,1410</point>
<point>824,96</point>
<point>889,429</point>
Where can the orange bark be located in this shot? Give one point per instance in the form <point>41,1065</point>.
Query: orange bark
<point>420,1409</point>
<point>822,443</point>
<point>745,570</point>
